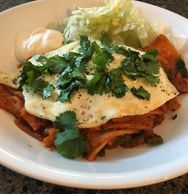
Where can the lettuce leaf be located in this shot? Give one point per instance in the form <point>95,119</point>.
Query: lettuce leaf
<point>120,19</point>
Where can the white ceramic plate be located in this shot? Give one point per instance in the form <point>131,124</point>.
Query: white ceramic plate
<point>120,168</point>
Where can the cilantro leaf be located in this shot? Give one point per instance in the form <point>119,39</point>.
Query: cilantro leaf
<point>140,93</point>
<point>92,84</point>
<point>30,76</point>
<point>56,64</point>
<point>42,88</point>
<point>66,120</point>
<point>121,50</point>
<point>104,81</point>
<point>67,92</point>
<point>69,143</point>
<point>102,58</point>
<point>108,82</point>
<point>144,66</point>
<point>181,67</point>
<point>84,43</point>
<point>149,68</point>
<point>102,84</point>
<point>86,49</point>
<point>62,81</point>
<point>116,82</point>
<point>38,85</point>
<point>103,117</point>
<point>47,91</point>
<point>105,39</point>
<point>151,53</point>
<point>30,73</point>
<point>152,80</point>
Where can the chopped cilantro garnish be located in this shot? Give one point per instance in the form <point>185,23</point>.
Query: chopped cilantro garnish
<point>93,84</point>
<point>140,93</point>
<point>56,63</point>
<point>67,92</point>
<point>108,82</point>
<point>151,53</point>
<point>69,141</point>
<point>105,81</point>
<point>105,40</point>
<point>84,44</point>
<point>47,91</point>
<point>30,77</point>
<point>116,83</point>
<point>42,88</point>
<point>103,117</point>
<point>86,49</point>
<point>30,73</point>
<point>144,66</point>
<point>181,67</point>
<point>152,80</point>
<point>71,70</point>
<point>121,50</point>
<point>66,120</point>
<point>70,81</point>
<point>101,58</point>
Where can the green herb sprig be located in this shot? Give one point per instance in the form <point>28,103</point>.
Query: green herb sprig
<point>144,66</point>
<point>182,68</point>
<point>69,141</point>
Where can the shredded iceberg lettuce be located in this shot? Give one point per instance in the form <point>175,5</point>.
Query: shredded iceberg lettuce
<point>120,19</point>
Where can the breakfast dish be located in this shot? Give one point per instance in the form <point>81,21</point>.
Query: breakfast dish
<point>106,81</point>
<point>120,168</point>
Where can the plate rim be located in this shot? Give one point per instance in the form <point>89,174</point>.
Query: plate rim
<point>164,172</point>
<point>15,162</point>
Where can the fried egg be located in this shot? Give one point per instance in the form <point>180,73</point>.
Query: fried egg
<point>95,110</point>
